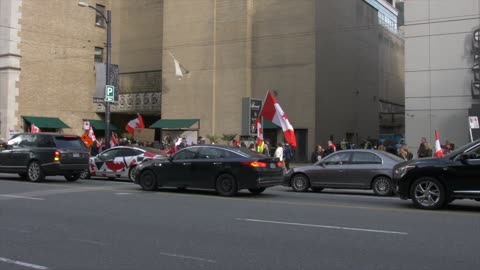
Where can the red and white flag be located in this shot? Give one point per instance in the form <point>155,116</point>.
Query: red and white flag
<point>135,123</point>
<point>91,134</point>
<point>438,147</point>
<point>272,111</point>
<point>113,139</point>
<point>34,129</point>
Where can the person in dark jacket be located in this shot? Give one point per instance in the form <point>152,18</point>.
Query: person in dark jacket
<point>287,155</point>
<point>317,154</point>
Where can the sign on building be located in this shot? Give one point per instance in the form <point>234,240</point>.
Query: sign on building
<point>250,112</point>
<point>473,120</point>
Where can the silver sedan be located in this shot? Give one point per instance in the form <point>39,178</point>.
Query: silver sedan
<point>347,169</point>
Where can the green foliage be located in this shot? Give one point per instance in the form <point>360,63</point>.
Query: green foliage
<point>228,137</point>
<point>214,139</point>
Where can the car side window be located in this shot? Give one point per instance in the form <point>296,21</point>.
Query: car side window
<point>210,152</point>
<point>15,141</point>
<point>365,158</point>
<point>110,154</point>
<point>28,140</point>
<point>44,141</point>
<point>126,152</point>
<point>337,159</point>
<point>187,153</point>
<point>474,153</point>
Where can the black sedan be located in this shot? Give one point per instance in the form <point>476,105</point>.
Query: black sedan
<point>223,168</point>
<point>432,183</point>
<point>350,169</point>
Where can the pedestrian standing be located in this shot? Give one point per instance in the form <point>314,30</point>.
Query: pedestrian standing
<point>404,153</point>
<point>317,154</point>
<point>425,149</point>
<point>331,147</point>
<point>287,155</point>
<point>279,153</point>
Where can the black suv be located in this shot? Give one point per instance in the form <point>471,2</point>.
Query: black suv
<point>36,155</point>
<point>432,183</point>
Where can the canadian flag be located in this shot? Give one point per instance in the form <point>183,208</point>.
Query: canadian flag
<point>272,111</point>
<point>34,129</point>
<point>260,140</point>
<point>91,134</point>
<point>114,140</point>
<point>135,123</point>
<point>438,147</point>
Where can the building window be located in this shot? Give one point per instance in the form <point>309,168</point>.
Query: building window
<point>99,20</point>
<point>98,55</point>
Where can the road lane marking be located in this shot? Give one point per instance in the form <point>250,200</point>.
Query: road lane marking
<point>122,193</point>
<point>186,257</point>
<point>89,241</point>
<point>29,265</point>
<point>14,230</point>
<point>314,204</point>
<point>322,226</point>
<point>22,197</point>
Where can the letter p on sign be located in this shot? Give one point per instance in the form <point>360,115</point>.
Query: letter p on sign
<point>109,93</point>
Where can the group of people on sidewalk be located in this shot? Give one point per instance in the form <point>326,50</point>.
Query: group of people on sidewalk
<point>424,150</point>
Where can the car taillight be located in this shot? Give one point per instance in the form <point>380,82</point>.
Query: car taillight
<point>255,164</point>
<point>57,156</point>
<point>279,164</point>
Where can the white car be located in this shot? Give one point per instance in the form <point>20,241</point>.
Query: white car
<point>120,161</point>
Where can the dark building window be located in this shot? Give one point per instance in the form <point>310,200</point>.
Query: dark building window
<point>98,55</point>
<point>99,20</point>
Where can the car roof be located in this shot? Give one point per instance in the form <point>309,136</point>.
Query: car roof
<point>46,133</point>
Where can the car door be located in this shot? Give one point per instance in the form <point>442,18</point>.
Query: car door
<point>463,173</point>
<point>106,163</point>
<point>178,171</point>
<point>128,157</point>
<point>332,171</point>
<point>210,162</point>
<point>364,166</point>
<point>21,149</point>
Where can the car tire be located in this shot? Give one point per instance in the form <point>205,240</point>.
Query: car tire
<point>148,181</point>
<point>85,174</point>
<point>72,176</point>
<point>35,172</point>
<point>131,173</point>
<point>382,186</point>
<point>300,183</point>
<point>256,191</point>
<point>316,189</point>
<point>226,185</point>
<point>428,193</point>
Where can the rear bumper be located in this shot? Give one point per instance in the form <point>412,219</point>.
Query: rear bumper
<point>60,169</point>
<point>264,182</point>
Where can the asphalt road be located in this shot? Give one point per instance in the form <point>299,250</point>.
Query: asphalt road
<point>96,224</point>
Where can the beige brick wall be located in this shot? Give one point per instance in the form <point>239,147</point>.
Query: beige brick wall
<point>57,78</point>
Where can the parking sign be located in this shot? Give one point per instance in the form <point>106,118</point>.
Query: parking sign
<point>109,93</point>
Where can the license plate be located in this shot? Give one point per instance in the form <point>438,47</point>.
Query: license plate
<point>76,155</point>
<point>272,165</point>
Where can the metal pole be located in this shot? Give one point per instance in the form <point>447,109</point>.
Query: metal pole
<point>107,104</point>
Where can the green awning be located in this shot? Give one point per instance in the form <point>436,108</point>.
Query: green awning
<point>269,125</point>
<point>174,123</point>
<point>45,122</point>
<point>100,124</point>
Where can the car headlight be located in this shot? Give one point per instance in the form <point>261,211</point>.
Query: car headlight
<point>401,171</point>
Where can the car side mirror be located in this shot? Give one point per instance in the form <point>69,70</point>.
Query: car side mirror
<point>8,147</point>
<point>321,164</point>
<point>463,157</point>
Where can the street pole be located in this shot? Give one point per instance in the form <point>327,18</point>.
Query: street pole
<point>107,103</point>
<point>108,22</point>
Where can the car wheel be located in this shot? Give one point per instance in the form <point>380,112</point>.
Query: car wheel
<point>300,183</point>
<point>256,191</point>
<point>226,185</point>
<point>428,193</point>
<point>23,175</point>
<point>382,186</point>
<point>316,189</point>
<point>131,173</point>
<point>35,172</point>
<point>148,181</point>
<point>85,174</point>
<point>72,176</point>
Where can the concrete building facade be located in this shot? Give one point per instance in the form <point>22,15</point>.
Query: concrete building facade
<point>438,69</point>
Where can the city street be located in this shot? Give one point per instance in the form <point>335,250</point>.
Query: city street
<point>98,224</point>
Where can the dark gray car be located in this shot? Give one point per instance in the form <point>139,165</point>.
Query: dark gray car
<point>349,169</point>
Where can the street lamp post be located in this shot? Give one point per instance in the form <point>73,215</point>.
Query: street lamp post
<point>108,22</point>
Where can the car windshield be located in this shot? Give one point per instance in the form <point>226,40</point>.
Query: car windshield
<point>392,156</point>
<point>462,149</point>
